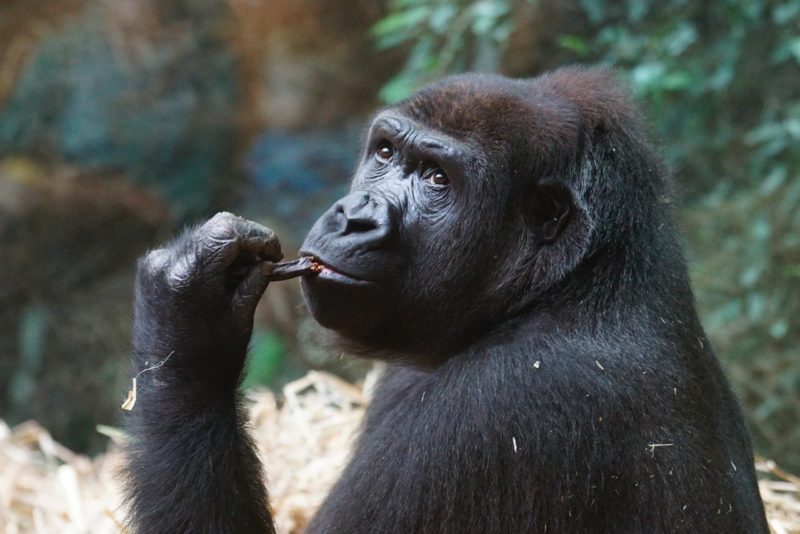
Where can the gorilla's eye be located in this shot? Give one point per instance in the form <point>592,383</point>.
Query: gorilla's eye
<point>437,177</point>
<point>384,152</point>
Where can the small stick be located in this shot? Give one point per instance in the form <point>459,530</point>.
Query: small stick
<point>290,269</point>
<point>130,401</point>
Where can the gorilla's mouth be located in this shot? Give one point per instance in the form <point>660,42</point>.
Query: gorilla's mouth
<point>330,273</point>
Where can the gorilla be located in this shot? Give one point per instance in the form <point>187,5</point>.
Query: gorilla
<point>508,247</point>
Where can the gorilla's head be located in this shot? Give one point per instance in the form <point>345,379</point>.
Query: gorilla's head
<point>474,199</point>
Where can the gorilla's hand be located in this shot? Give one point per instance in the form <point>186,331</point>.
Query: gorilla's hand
<point>195,298</point>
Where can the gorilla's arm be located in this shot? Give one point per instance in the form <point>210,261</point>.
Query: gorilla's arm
<point>191,465</point>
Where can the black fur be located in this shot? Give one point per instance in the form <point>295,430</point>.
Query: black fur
<point>548,371</point>
<point>191,464</point>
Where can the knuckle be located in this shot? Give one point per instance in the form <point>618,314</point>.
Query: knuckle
<point>182,271</point>
<point>223,225</point>
<point>267,236</point>
<point>175,270</point>
<point>224,216</point>
<point>271,237</point>
<point>257,231</point>
<point>154,261</point>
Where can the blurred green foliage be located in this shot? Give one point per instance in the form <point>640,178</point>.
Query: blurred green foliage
<point>269,362</point>
<point>267,352</point>
<point>444,36</point>
<point>161,117</point>
<point>720,82</point>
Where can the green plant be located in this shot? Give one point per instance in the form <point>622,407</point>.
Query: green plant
<point>442,37</point>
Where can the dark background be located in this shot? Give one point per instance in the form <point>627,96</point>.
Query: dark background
<point>122,120</point>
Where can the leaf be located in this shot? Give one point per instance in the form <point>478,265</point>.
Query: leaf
<point>788,49</point>
<point>682,38</point>
<point>401,22</point>
<point>593,9</point>
<point>677,81</point>
<point>774,180</point>
<point>756,303</point>
<point>750,275</point>
<point>648,76</point>
<point>486,15</point>
<point>398,88</point>
<point>637,9</point>
<point>574,43</point>
<point>786,13</point>
<point>779,328</point>
<point>442,17</point>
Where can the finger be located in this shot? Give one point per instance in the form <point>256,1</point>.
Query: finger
<point>261,242</point>
<point>250,290</point>
<point>219,239</point>
<point>225,236</point>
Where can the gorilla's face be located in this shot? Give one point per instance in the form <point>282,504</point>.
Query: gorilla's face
<point>434,241</point>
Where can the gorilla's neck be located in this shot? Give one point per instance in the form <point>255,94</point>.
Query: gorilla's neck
<point>641,277</point>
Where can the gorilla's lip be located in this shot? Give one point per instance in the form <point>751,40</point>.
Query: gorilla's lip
<point>334,274</point>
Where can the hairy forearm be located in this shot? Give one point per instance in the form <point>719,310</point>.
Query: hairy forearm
<point>193,466</point>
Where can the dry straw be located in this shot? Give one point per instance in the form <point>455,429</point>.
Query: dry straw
<point>304,436</point>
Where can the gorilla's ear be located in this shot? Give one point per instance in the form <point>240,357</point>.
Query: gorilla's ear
<point>551,208</point>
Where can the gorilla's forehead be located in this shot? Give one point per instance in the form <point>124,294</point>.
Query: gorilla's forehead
<point>494,111</point>
<point>463,104</point>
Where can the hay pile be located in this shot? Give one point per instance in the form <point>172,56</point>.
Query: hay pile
<point>305,439</point>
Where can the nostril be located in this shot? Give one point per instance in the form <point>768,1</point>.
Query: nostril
<point>361,214</point>
<point>359,225</point>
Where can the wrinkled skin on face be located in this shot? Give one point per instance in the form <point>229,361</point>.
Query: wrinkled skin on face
<point>446,215</point>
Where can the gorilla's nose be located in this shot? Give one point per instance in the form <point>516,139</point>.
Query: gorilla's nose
<point>363,217</point>
<point>360,220</point>
<point>359,213</point>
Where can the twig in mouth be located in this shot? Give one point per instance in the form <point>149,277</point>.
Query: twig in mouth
<point>291,269</point>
